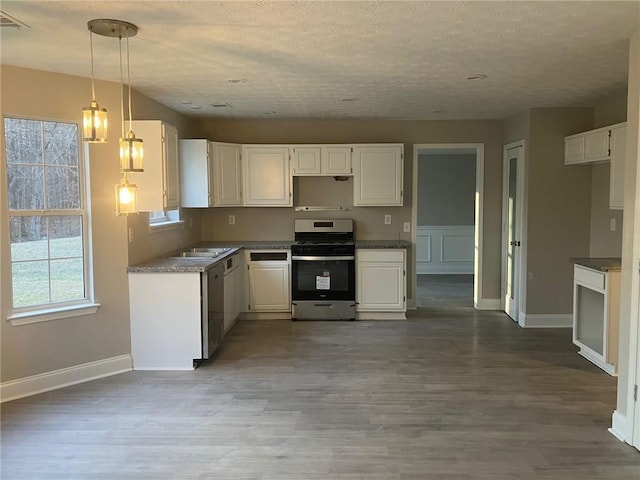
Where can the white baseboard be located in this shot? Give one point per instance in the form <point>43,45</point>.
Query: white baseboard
<point>381,316</point>
<point>265,316</point>
<point>619,427</point>
<point>44,382</point>
<point>546,320</point>
<point>488,304</point>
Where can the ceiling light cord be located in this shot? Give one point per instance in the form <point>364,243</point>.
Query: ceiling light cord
<point>93,89</point>
<point>129,87</point>
<point>121,89</point>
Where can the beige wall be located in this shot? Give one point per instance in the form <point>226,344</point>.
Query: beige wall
<point>42,347</point>
<point>558,215</point>
<point>603,241</point>
<point>256,223</point>
<point>630,244</point>
<point>446,189</point>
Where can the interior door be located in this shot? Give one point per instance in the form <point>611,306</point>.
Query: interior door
<point>512,227</point>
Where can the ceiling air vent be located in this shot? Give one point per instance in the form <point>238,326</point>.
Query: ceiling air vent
<point>7,20</point>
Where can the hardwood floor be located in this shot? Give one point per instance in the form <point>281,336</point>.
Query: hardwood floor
<point>459,397</point>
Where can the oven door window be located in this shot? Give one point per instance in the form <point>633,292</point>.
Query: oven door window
<point>323,280</point>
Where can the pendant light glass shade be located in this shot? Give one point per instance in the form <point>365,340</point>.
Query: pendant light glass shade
<point>94,123</point>
<point>131,153</point>
<point>126,197</point>
<point>94,118</point>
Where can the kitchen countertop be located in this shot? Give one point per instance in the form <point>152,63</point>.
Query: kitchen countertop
<point>382,244</point>
<point>603,264</point>
<point>171,263</point>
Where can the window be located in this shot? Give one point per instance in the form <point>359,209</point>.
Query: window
<point>166,220</point>
<point>47,218</point>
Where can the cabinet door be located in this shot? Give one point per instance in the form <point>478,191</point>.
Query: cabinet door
<point>306,160</point>
<point>596,145</point>
<point>195,173</point>
<point>380,280</point>
<point>616,178</point>
<point>378,175</point>
<point>267,176</point>
<point>229,299</point>
<point>269,286</point>
<point>574,149</point>
<point>171,173</point>
<point>336,160</point>
<point>227,175</point>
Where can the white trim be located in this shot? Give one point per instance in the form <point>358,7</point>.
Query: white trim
<point>521,233</point>
<point>44,382</point>
<point>47,314</point>
<point>619,426</point>
<point>488,304</point>
<point>479,210</point>
<point>545,320</point>
<point>265,316</point>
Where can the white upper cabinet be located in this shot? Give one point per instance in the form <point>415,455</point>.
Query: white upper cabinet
<point>378,175</point>
<point>196,173</point>
<point>589,147</point>
<point>227,176</point>
<point>618,144</point>
<point>267,175</point>
<point>159,184</point>
<point>318,160</point>
<point>596,145</point>
<point>574,149</point>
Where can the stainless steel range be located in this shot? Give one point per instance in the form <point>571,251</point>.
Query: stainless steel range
<point>323,270</point>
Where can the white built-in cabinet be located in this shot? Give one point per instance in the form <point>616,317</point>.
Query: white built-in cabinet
<point>269,280</point>
<point>378,174</point>
<point>159,184</point>
<point>211,173</point>
<point>319,160</point>
<point>267,175</point>
<point>381,283</point>
<point>596,312</point>
<point>618,146</point>
<point>601,145</point>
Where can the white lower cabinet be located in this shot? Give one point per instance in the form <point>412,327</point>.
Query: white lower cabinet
<point>596,311</point>
<point>233,289</point>
<point>380,283</point>
<point>269,281</point>
<point>165,314</point>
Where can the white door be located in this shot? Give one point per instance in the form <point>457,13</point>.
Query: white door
<point>512,227</point>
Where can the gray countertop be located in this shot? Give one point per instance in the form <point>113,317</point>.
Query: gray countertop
<point>603,264</point>
<point>170,263</point>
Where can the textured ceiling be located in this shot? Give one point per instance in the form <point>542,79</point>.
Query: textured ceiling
<point>392,60</point>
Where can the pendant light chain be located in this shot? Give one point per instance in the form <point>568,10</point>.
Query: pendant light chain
<point>121,89</point>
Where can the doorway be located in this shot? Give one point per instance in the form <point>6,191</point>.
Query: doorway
<point>512,229</point>
<point>447,257</point>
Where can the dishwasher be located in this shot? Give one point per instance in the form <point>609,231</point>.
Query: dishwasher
<point>212,309</point>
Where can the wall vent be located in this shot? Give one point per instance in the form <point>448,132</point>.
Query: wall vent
<point>7,20</point>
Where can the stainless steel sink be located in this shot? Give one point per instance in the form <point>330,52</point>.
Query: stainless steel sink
<point>203,252</point>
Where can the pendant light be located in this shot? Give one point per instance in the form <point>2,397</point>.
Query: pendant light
<point>131,148</point>
<point>126,197</point>
<point>94,118</point>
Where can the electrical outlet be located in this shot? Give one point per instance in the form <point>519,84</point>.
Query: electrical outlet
<point>612,225</point>
<point>387,219</point>
<point>407,226</point>
<point>232,219</point>
<point>130,234</point>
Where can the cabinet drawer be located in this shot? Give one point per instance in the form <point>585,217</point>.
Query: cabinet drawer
<point>380,255</point>
<point>589,277</point>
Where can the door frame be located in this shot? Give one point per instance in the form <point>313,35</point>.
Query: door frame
<point>478,302</point>
<point>521,231</point>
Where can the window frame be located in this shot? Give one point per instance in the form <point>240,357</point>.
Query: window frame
<point>170,220</point>
<point>54,310</point>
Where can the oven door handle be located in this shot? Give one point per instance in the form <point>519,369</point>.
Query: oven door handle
<point>314,258</point>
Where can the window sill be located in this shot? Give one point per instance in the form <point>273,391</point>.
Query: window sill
<point>48,314</point>
<point>164,226</point>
